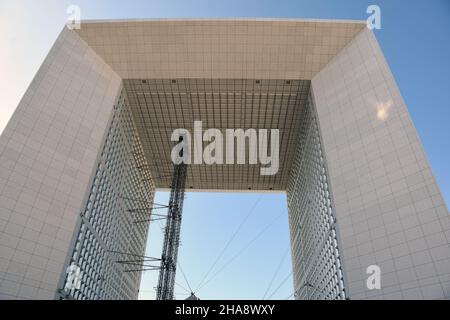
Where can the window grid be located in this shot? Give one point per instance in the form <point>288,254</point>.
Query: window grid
<point>163,105</point>
<point>115,220</point>
<point>315,252</point>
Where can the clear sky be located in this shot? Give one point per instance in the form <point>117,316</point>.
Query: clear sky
<point>415,38</point>
<point>254,225</point>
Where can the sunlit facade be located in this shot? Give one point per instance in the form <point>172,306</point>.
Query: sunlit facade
<point>89,144</point>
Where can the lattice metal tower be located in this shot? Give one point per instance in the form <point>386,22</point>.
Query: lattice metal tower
<point>166,282</point>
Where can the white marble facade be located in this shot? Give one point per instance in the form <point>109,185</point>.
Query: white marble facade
<point>388,206</point>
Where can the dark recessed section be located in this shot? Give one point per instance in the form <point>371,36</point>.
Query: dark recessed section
<point>288,81</point>
<point>270,188</point>
<point>224,103</point>
<point>144,81</point>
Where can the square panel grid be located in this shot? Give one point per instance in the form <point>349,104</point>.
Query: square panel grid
<point>163,105</point>
<point>225,48</point>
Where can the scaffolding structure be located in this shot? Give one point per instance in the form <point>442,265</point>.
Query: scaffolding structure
<point>166,282</point>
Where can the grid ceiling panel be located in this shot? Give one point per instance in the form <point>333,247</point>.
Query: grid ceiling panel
<point>240,48</point>
<point>162,105</point>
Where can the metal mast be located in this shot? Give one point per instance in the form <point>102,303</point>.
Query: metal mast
<point>166,282</point>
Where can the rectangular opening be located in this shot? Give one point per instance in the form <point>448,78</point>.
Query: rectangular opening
<point>233,246</point>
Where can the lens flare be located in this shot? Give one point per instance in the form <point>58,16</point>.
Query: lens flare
<point>383,109</point>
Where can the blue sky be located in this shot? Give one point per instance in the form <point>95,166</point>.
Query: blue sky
<point>415,38</point>
<point>248,263</point>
